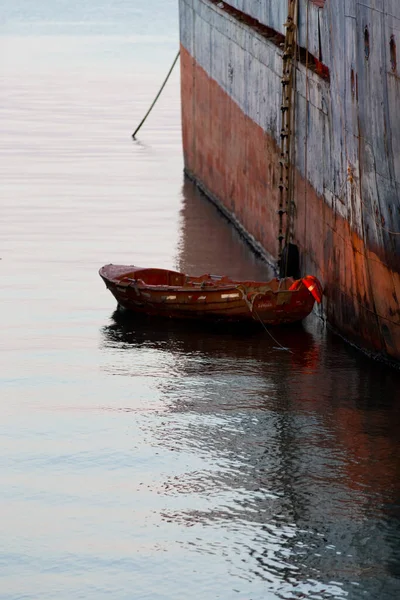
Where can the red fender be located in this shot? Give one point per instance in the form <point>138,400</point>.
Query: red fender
<point>314,287</point>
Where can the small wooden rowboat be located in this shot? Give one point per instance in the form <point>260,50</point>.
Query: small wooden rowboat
<point>176,295</point>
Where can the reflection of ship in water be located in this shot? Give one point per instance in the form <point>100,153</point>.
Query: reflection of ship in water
<point>295,449</point>
<point>209,244</point>
<point>290,457</point>
<point>239,343</point>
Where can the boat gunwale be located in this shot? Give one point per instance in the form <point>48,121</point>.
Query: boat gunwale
<point>206,285</point>
<point>135,284</point>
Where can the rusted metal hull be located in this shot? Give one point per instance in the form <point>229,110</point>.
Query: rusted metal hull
<point>170,294</point>
<point>347,155</point>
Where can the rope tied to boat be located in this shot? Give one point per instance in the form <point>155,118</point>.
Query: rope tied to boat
<point>250,305</point>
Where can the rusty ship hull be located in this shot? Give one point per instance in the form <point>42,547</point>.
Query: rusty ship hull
<point>346,143</point>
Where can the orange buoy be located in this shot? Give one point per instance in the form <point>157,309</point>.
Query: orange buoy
<point>314,287</point>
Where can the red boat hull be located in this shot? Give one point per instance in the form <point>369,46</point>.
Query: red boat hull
<point>170,294</point>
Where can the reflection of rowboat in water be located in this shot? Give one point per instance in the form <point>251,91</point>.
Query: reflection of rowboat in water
<point>175,295</point>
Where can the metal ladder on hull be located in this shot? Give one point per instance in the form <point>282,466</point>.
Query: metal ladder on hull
<point>286,199</point>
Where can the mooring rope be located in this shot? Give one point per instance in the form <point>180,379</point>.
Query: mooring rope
<point>271,336</point>
<point>157,97</point>
<point>250,306</point>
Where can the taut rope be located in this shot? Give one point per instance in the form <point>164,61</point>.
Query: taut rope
<point>157,97</point>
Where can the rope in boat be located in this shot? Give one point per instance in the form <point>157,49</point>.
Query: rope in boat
<point>157,97</point>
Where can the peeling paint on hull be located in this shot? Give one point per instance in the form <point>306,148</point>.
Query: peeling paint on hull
<point>230,108</point>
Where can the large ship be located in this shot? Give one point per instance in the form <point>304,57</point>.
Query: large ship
<point>291,125</point>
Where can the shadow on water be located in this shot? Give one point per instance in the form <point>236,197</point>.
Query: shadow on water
<point>238,342</point>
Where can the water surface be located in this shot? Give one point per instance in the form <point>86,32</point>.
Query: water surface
<point>143,459</point>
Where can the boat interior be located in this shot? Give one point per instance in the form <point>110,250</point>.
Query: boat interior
<point>162,277</point>
<point>165,277</point>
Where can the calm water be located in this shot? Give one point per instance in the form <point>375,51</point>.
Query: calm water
<point>147,460</point>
